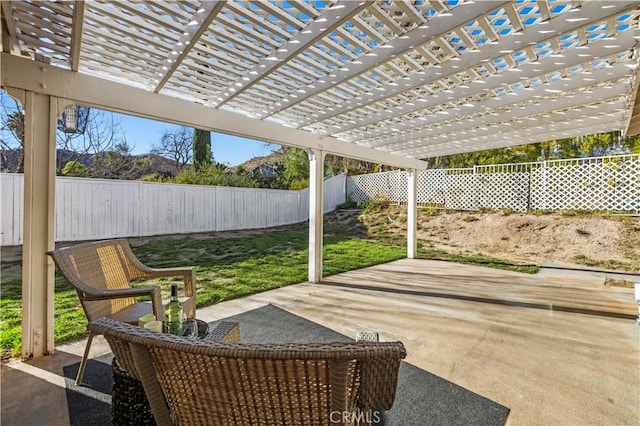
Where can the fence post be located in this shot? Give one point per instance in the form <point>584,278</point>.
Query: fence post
<point>412,207</point>
<point>530,170</point>
<point>476,189</point>
<point>544,186</point>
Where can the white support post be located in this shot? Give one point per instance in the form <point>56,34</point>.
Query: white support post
<point>412,212</point>
<point>316,175</point>
<point>41,113</point>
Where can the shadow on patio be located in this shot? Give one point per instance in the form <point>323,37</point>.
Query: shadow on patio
<point>553,349</point>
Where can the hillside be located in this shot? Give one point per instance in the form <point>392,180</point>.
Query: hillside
<point>254,162</point>
<point>607,242</point>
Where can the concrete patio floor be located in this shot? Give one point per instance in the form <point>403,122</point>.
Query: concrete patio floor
<point>556,348</point>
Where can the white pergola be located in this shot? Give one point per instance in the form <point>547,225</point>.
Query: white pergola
<point>390,82</point>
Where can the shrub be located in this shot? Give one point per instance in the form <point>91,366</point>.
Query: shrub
<point>74,168</point>
<point>379,202</point>
<point>348,204</point>
<point>214,174</point>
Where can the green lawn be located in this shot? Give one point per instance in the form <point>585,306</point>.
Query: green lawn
<point>226,268</point>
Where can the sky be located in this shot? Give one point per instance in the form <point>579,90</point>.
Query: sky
<point>142,134</point>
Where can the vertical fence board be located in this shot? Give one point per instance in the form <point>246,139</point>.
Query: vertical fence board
<point>11,192</point>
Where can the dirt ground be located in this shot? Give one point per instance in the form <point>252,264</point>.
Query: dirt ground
<point>610,242</point>
<point>533,239</point>
<point>601,241</point>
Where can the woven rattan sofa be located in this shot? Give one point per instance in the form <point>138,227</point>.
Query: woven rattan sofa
<point>191,381</point>
<point>101,273</point>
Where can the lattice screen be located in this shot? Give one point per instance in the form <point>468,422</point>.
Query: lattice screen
<point>432,187</point>
<point>610,183</point>
<point>389,185</point>
<point>605,183</point>
<point>503,190</point>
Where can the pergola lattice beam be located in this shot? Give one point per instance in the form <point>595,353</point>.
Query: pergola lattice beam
<point>10,27</point>
<point>560,25</point>
<point>210,10</point>
<point>603,74</point>
<point>336,15</point>
<point>398,46</point>
<point>76,34</point>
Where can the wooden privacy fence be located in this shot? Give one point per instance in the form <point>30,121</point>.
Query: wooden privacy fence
<point>599,184</point>
<point>91,209</point>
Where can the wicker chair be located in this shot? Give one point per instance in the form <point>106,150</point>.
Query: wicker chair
<point>190,381</point>
<point>101,272</point>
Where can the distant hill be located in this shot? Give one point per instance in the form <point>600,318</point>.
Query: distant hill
<point>255,162</point>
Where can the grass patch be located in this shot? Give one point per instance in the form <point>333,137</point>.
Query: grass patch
<point>612,282</point>
<point>604,264</point>
<point>478,260</point>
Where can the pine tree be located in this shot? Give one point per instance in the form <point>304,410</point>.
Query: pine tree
<point>201,148</point>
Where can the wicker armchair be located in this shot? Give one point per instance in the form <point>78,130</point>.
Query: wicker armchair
<point>101,272</point>
<point>191,381</point>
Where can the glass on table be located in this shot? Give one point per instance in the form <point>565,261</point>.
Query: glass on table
<point>190,328</point>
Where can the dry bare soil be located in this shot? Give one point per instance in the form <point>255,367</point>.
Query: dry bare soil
<point>601,241</point>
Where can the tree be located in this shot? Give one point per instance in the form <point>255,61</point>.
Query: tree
<point>118,163</point>
<point>292,168</point>
<point>201,148</point>
<point>176,145</point>
<point>103,133</point>
<point>631,144</point>
<point>13,124</point>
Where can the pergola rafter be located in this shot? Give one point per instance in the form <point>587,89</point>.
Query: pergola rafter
<point>209,10</point>
<point>293,47</point>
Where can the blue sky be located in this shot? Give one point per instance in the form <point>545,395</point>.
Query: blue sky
<point>142,134</point>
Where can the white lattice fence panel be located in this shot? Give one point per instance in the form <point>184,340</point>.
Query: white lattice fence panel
<point>503,190</point>
<point>432,187</point>
<point>537,189</point>
<point>569,187</point>
<point>590,184</point>
<point>461,190</point>
<point>602,183</point>
<point>389,185</point>
<point>398,186</point>
<point>624,180</point>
